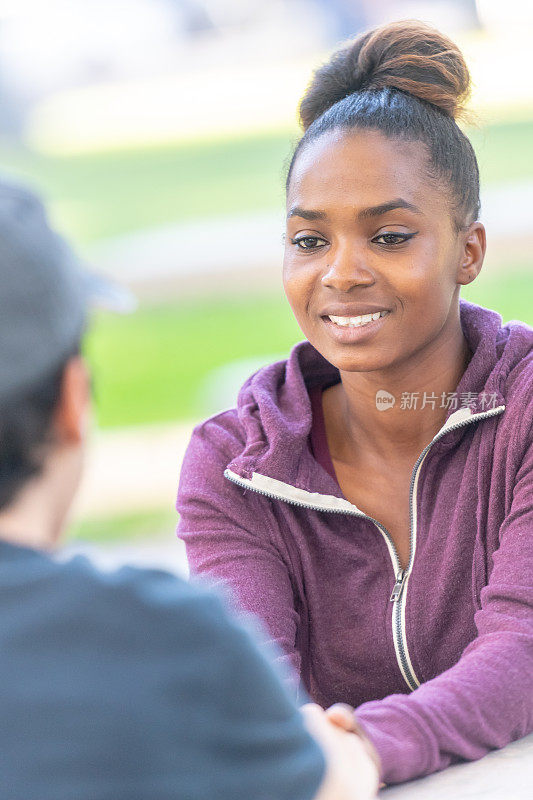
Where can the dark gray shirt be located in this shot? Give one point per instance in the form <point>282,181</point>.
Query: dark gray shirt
<point>135,684</point>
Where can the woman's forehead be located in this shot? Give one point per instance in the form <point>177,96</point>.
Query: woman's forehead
<point>360,168</point>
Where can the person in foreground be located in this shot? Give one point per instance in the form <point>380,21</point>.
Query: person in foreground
<point>126,684</point>
<point>371,497</point>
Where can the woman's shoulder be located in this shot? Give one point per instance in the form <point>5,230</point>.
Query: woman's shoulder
<point>215,439</point>
<point>269,411</point>
<point>514,380</point>
<point>516,357</point>
<point>229,429</point>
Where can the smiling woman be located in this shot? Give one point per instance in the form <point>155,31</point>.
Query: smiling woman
<point>404,260</point>
<point>370,497</point>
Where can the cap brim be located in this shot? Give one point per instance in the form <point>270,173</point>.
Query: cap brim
<point>104,293</point>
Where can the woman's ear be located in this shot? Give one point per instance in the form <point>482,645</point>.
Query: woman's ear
<point>72,415</point>
<point>473,253</point>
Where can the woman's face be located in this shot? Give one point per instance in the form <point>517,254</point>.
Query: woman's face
<point>369,234</point>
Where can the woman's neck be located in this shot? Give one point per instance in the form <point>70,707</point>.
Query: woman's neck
<point>395,413</point>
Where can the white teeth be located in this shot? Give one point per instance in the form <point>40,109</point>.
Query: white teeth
<point>356,322</point>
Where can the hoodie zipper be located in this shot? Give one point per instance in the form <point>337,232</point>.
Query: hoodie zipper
<point>399,591</point>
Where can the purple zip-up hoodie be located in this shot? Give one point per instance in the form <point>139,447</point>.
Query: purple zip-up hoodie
<point>437,659</point>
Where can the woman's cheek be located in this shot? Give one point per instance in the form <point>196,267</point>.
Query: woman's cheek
<point>297,283</point>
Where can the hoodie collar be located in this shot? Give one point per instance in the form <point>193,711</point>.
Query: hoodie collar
<point>274,408</point>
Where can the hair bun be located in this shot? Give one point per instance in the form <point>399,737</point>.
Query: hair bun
<point>407,55</point>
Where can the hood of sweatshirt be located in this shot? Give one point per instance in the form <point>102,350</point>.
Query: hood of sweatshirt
<point>274,408</point>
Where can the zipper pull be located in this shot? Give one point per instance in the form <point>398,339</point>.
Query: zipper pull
<point>398,586</point>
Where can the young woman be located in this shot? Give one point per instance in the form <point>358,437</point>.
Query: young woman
<point>370,498</point>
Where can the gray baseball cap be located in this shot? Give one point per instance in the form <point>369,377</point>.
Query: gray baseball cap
<point>45,292</point>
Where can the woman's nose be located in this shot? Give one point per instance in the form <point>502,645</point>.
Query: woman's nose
<point>345,270</point>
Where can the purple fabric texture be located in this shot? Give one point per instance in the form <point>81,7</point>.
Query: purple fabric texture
<point>321,580</point>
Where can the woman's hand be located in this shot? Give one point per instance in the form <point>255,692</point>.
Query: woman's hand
<point>343,715</point>
<point>352,773</point>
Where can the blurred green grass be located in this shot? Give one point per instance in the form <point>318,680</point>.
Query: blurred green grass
<point>150,366</point>
<point>94,196</point>
<point>126,528</point>
<point>99,195</point>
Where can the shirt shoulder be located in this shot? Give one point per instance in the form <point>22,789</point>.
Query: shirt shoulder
<point>148,668</point>
<point>84,602</point>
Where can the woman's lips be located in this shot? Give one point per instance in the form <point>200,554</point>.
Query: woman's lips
<point>347,334</point>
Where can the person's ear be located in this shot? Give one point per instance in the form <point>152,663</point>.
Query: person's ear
<point>72,415</point>
<point>473,253</point>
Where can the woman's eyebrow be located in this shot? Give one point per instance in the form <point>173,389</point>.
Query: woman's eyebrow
<point>296,211</point>
<point>383,208</point>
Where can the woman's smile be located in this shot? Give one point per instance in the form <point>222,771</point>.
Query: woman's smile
<point>348,330</point>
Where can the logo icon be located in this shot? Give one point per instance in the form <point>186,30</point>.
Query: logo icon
<point>384,400</point>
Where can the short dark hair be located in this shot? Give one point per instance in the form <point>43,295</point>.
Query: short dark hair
<point>408,81</point>
<point>25,431</point>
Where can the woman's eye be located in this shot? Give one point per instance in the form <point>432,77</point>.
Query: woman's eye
<point>392,238</point>
<point>308,242</point>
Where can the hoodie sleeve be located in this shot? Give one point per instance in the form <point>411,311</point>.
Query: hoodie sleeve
<point>485,700</point>
<point>228,537</point>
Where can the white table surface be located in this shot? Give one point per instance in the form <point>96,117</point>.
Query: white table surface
<point>505,774</point>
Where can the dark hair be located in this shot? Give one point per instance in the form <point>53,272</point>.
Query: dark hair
<point>408,81</point>
<point>26,429</point>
